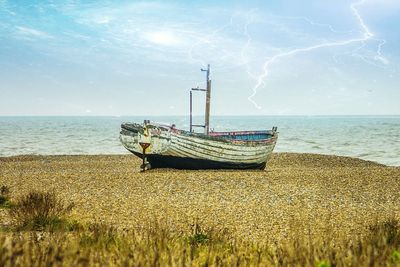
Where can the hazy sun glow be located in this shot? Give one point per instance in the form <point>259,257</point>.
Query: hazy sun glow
<point>162,38</point>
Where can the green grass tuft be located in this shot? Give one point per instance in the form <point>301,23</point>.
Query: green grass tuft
<point>5,197</point>
<point>323,264</point>
<point>395,257</point>
<point>99,236</point>
<point>199,236</point>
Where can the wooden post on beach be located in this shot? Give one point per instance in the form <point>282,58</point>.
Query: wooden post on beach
<point>208,102</point>
<point>191,111</point>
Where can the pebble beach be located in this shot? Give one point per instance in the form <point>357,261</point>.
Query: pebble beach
<point>298,194</point>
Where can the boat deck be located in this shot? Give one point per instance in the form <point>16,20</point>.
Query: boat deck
<point>243,135</point>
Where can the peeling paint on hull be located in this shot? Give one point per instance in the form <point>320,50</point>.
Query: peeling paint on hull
<point>172,148</point>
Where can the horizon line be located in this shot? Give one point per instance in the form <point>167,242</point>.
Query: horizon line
<point>219,115</point>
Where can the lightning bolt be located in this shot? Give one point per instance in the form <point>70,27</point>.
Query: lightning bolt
<point>379,56</point>
<point>366,36</point>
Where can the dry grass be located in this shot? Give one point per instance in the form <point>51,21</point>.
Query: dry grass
<point>158,246</point>
<point>306,209</point>
<point>38,211</point>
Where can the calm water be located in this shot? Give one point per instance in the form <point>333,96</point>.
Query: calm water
<point>371,138</point>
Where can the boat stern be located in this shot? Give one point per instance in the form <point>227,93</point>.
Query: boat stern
<point>145,138</point>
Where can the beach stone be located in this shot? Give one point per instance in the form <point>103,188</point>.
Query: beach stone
<point>298,194</point>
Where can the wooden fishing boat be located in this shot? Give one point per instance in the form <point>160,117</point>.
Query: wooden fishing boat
<point>161,145</point>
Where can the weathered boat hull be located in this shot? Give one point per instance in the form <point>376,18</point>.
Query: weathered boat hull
<point>167,147</point>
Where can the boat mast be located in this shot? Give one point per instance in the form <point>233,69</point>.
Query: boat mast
<point>206,125</point>
<point>208,102</point>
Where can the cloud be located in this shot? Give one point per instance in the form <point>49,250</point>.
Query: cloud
<point>30,32</point>
<point>125,38</point>
<point>102,20</point>
<point>384,4</point>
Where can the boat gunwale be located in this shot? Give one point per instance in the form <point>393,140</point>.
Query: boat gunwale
<point>226,140</point>
<point>216,136</point>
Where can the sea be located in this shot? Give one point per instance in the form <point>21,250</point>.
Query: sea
<point>375,138</point>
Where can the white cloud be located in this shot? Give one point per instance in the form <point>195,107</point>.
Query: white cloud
<point>30,32</point>
<point>381,59</point>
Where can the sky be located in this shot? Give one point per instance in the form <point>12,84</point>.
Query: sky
<point>117,58</point>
